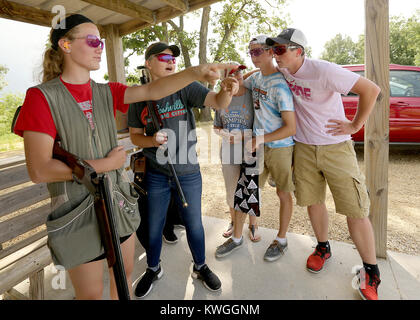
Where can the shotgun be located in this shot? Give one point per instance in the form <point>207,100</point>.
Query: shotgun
<point>156,124</point>
<point>99,187</point>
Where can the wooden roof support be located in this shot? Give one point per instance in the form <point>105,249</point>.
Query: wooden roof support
<point>125,7</point>
<point>19,12</point>
<point>176,4</point>
<point>162,14</point>
<point>115,64</point>
<point>376,148</point>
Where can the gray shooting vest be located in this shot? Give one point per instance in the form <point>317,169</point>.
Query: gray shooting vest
<point>73,232</point>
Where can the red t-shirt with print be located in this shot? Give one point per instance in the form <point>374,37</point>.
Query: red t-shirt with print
<point>35,105</point>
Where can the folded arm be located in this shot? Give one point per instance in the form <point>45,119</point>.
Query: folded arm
<point>42,167</point>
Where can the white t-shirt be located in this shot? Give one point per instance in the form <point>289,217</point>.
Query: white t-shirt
<point>271,96</point>
<point>317,87</point>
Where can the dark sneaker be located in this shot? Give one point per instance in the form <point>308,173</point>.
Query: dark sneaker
<point>170,237</point>
<point>145,284</point>
<point>210,280</point>
<point>228,247</point>
<point>368,286</point>
<point>317,259</point>
<point>275,251</point>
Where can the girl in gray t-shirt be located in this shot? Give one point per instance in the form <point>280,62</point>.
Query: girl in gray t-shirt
<point>232,125</point>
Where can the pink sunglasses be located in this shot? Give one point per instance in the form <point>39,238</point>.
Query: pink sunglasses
<point>257,51</point>
<point>93,41</point>
<point>165,57</point>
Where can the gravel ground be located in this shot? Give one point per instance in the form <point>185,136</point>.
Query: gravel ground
<point>403,203</point>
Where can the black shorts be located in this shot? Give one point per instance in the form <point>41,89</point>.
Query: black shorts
<point>103,256</point>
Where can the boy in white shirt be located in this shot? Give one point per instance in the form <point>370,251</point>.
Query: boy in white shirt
<point>324,151</point>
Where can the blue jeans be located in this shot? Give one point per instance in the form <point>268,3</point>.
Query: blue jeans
<point>159,189</point>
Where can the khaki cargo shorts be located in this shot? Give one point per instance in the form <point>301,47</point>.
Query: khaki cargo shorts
<point>336,164</point>
<point>278,163</point>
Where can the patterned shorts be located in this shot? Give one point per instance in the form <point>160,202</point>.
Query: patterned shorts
<point>247,194</point>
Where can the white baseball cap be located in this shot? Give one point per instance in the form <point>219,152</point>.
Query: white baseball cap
<point>288,35</point>
<point>261,39</point>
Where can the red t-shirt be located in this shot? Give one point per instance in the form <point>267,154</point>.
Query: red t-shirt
<point>35,114</point>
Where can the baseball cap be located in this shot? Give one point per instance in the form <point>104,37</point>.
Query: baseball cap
<point>261,39</point>
<point>69,23</point>
<point>158,47</point>
<point>289,35</point>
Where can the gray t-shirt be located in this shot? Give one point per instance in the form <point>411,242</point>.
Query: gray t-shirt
<point>239,117</point>
<point>178,121</point>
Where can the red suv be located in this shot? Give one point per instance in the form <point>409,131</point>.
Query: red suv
<point>404,113</point>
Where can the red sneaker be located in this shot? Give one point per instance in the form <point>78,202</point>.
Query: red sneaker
<point>368,286</point>
<point>317,259</point>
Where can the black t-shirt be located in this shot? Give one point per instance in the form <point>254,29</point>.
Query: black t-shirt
<point>178,121</point>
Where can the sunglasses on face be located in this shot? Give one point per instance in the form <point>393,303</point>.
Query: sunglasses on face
<point>257,51</point>
<point>165,57</point>
<point>93,41</point>
<point>279,50</point>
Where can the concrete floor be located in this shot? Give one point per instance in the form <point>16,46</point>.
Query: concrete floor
<point>246,276</point>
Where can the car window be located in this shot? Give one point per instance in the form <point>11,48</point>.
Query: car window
<point>404,83</point>
<point>361,73</point>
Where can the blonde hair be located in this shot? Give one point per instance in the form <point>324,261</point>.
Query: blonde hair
<point>53,63</point>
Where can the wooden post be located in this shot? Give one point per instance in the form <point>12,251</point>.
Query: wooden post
<point>36,286</point>
<point>376,146</point>
<point>115,62</point>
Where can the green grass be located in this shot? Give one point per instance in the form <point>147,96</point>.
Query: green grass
<point>10,142</point>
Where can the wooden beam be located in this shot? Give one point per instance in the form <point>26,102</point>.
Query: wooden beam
<point>23,13</point>
<point>162,15</point>
<point>376,146</point>
<point>36,286</point>
<point>115,61</point>
<point>20,270</point>
<point>125,7</point>
<point>176,4</point>
<point>13,294</point>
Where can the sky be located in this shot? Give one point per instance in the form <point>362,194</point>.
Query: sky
<point>22,44</point>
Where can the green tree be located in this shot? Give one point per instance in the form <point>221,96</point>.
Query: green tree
<point>3,71</point>
<point>238,21</point>
<point>342,50</point>
<point>8,105</point>
<point>232,28</point>
<point>404,38</point>
<point>404,44</point>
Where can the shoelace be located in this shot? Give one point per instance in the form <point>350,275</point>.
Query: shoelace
<point>150,274</point>
<point>320,251</point>
<point>204,271</point>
